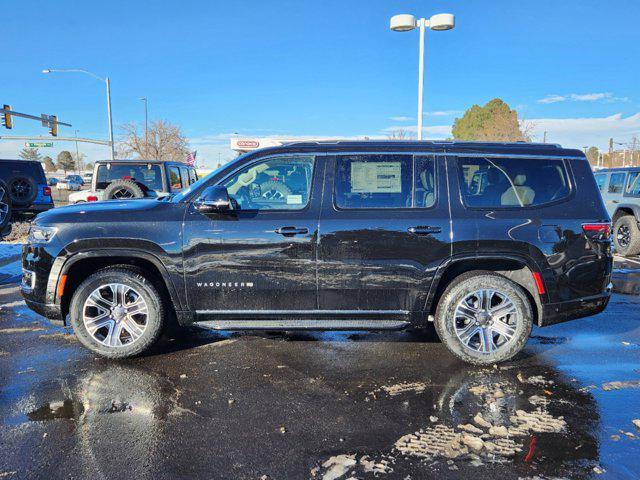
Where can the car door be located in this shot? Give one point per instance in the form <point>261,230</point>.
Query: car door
<point>260,259</point>
<point>384,230</point>
<point>614,191</point>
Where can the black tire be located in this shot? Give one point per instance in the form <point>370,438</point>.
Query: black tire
<point>22,190</point>
<point>6,207</point>
<point>123,190</point>
<point>464,286</point>
<point>135,279</point>
<point>274,190</point>
<point>626,236</point>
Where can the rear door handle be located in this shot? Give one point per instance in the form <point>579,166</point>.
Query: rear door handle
<point>424,230</point>
<point>291,231</point>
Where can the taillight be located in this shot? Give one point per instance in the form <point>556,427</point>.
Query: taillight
<point>46,191</point>
<point>602,230</point>
<point>92,198</point>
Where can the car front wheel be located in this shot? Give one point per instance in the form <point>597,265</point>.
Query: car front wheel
<point>484,318</point>
<point>117,312</point>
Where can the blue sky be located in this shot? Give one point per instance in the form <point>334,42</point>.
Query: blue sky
<point>327,68</point>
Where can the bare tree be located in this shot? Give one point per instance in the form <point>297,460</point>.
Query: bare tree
<point>30,154</point>
<point>400,134</point>
<point>165,141</point>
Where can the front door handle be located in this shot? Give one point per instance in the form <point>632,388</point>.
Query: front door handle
<point>291,231</point>
<point>424,230</point>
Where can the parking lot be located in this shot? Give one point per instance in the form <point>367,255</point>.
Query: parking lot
<point>325,405</point>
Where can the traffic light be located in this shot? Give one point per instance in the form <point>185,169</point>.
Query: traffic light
<point>53,126</point>
<point>7,122</point>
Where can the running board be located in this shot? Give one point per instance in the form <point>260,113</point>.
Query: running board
<point>303,324</point>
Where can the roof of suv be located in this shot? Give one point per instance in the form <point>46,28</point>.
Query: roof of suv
<point>137,160</point>
<point>516,148</point>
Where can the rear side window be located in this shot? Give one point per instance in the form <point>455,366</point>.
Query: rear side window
<point>633,185</point>
<point>193,176</point>
<point>488,182</point>
<point>616,182</point>
<point>174,179</point>
<point>600,181</point>
<point>384,181</point>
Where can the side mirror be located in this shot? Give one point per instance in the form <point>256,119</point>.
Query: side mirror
<point>214,199</point>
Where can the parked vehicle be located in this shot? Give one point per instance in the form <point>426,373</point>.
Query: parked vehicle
<point>483,239</point>
<point>52,181</point>
<point>75,178</point>
<point>127,179</point>
<point>69,184</point>
<point>26,186</point>
<point>620,189</point>
<point>87,177</point>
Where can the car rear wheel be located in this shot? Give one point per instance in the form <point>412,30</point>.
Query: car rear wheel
<point>123,190</point>
<point>117,312</point>
<point>22,190</point>
<point>484,318</point>
<point>626,236</point>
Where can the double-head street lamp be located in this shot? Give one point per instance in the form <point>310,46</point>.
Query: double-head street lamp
<point>405,23</point>
<point>106,81</point>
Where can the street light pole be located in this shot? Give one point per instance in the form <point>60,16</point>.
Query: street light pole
<point>421,24</point>
<point>78,165</point>
<point>405,23</point>
<point>108,84</point>
<point>146,124</point>
<point>113,148</point>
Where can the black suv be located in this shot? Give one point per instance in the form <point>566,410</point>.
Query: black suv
<point>484,240</point>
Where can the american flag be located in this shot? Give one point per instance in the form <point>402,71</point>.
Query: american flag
<point>191,158</point>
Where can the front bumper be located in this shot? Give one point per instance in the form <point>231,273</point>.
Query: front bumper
<point>48,310</point>
<point>553,313</point>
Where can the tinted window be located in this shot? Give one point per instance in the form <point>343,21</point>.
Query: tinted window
<point>184,174</point>
<point>11,168</point>
<point>384,181</point>
<point>174,179</point>
<point>633,186</point>
<point>149,176</point>
<point>616,182</point>
<point>512,182</point>
<point>281,183</point>
<point>600,181</point>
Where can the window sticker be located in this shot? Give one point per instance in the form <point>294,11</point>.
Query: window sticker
<point>376,177</point>
<point>294,199</point>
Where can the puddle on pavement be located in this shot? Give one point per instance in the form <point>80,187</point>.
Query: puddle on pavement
<point>66,409</point>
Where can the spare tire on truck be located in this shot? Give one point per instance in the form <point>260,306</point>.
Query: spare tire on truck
<point>5,207</point>
<point>123,190</point>
<point>22,189</point>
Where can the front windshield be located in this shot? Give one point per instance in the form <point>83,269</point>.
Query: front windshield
<point>195,186</point>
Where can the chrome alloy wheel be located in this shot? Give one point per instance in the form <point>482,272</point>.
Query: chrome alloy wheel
<point>623,235</point>
<point>486,321</point>
<point>115,315</point>
<point>4,206</point>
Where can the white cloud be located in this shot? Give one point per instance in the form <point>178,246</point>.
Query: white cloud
<point>401,119</point>
<point>443,113</point>
<point>578,132</point>
<point>606,97</point>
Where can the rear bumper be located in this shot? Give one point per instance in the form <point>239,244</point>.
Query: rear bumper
<point>553,313</point>
<point>34,208</point>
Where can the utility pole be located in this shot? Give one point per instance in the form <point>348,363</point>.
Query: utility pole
<point>146,125</point>
<point>78,163</point>
<point>544,137</point>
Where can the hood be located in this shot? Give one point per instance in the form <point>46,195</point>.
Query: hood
<point>111,210</point>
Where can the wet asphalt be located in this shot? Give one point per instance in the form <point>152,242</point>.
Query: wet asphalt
<point>318,405</point>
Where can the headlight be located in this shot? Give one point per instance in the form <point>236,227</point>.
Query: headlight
<point>39,234</point>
